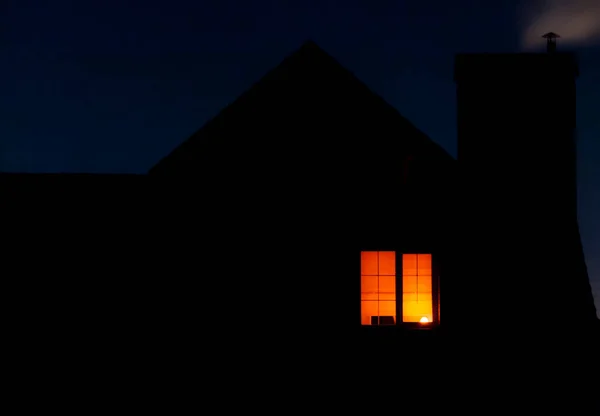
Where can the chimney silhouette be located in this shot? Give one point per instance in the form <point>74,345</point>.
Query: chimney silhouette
<point>522,261</point>
<point>551,41</point>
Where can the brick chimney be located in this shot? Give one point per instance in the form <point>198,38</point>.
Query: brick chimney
<point>521,262</point>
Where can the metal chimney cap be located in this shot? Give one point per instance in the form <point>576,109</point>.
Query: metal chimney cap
<point>551,35</point>
<point>551,41</point>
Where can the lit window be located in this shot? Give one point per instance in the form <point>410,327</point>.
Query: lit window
<point>378,287</point>
<point>417,304</point>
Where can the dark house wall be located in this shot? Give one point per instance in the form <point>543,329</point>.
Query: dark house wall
<point>73,247</point>
<point>516,133</point>
<point>293,179</point>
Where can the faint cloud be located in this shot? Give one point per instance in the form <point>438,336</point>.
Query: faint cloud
<point>576,21</point>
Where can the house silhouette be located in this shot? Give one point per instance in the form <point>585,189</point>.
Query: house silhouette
<point>309,214</point>
<point>348,141</point>
<point>309,153</point>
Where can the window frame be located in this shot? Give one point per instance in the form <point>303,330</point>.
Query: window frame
<point>399,290</point>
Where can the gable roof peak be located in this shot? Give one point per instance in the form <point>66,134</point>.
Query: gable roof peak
<point>309,43</point>
<point>312,49</point>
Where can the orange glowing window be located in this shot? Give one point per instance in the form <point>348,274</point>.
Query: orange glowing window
<point>417,299</point>
<point>378,287</point>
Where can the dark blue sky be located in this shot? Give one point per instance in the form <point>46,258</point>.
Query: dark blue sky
<point>112,86</point>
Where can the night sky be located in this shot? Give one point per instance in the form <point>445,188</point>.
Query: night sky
<point>114,85</point>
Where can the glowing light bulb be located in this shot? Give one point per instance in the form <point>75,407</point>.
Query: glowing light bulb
<point>424,320</point>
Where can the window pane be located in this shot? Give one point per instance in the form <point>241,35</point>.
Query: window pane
<point>424,264</point>
<point>424,284</point>
<point>387,308</point>
<point>422,306</point>
<point>417,300</point>
<point>378,287</point>
<point>387,288</point>
<point>409,284</point>
<point>409,264</point>
<point>387,263</point>
<point>414,311</point>
<point>368,308</point>
<point>368,263</point>
<point>368,288</point>
<point>409,311</point>
<point>409,297</point>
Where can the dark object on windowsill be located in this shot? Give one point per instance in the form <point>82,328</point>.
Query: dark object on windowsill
<point>383,320</point>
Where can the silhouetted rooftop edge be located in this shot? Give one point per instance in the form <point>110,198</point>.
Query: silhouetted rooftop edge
<point>43,179</point>
<point>69,174</point>
<point>466,65</point>
<point>308,51</point>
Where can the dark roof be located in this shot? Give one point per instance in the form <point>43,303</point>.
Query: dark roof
<point>27,185</point>
<point>308,62</point>
<point>65,178</point>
